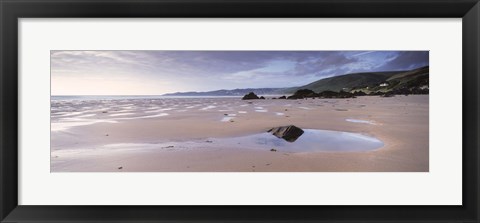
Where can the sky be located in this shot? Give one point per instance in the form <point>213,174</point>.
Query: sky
<point>160,72</point>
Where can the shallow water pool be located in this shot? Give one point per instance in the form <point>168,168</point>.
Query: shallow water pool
<point>312,140</point>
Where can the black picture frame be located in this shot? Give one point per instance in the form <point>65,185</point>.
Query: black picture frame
<point>12,10</point>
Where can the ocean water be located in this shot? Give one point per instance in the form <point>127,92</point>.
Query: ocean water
<point>125,97</point>
<point>67,112</point>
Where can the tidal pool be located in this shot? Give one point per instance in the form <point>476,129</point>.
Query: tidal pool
<point>312,140</point>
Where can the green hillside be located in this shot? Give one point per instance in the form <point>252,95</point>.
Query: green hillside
<point>413,81</point>
<point>408,75</point>
<point>348,81</point>
<point>371,82</point>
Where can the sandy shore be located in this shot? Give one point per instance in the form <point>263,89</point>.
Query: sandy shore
<point>179,135</point>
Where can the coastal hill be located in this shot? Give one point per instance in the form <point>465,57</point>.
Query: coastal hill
<point>370,82</point>
<point>397,82</point>
<point>347,81</point>
<point>408,82</point>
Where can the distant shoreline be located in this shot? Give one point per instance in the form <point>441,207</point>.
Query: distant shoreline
<point>127,97</point>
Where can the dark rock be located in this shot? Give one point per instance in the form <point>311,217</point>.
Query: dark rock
<point>328,94</point>
<point>261,97</point>
<point>290,133</point>
<point>303,93</point>
<point>250,96</point>
<point>344,94</point>
<point>273,150</point>
<point>376,93</point>
<point>283,97</point>
<point>388,95</point>
<point>333,94</point>
<point>359,93</point>
<point>306,93</point>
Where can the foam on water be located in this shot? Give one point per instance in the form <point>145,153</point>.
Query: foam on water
<point>147,116</point>
<point>226,119</point>
<point>86,116</point>
<point>121,114</point>
<point>360,121</point>
<point>68,114</point>
<point>66,124</point>
<point>208,107</point>
<point>159,110</point>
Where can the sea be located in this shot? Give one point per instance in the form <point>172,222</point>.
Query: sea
<point>125,97</point>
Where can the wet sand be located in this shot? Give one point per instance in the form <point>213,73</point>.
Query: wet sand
<point>179,135</point>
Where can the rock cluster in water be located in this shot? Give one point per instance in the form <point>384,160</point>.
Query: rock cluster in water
<point>290,132</point>
<point>306,93</point>
<point>252,96</point>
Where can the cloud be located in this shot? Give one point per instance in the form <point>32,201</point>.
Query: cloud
<point>405,60</point>
<point>362,53</point>
<point>223,69</point>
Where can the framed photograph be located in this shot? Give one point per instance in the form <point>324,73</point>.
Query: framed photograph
<point>255,111</point>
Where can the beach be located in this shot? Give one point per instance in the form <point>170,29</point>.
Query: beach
<point>191,134</point>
